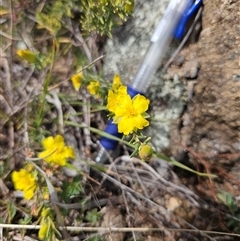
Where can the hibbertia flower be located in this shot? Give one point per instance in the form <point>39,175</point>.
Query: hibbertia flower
<point>25,182</point>
<point>56,152</point>
<point>130,114</point>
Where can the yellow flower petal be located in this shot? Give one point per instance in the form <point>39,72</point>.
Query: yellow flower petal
<point>24,181</point>
<point>125,125</point>
<point>129,114</point>
<point>44,154</point>
<point>124,107</point>
<point>93,87</point>
<point>55,151</point>
<point>69,152</point>
<point>48,142</point>
<point>115,98</point>
<point>77,80</point>
<point>27,55</point>
<point>29,192</point>
<point>140,122</point>
<point>116,82</point>
<point>59,141</point>
<point>140,104</point>
<point>122,90</point>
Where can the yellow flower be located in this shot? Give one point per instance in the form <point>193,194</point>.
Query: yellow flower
<point>55,151</point>
<point>93,87</point>
<point>27,55</point>
<point>116,82</point>
<point>115,97</point>
<point>24,181</point>
<point>116,94</point>
<point>129,114</point>
<point>77,80</point>
<point>43,231</point>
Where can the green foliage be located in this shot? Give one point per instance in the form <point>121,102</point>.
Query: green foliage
<point>11,211</point>
<point>101,16</point>
<point>70,189</point>
<point>233,220</point>
<point>53,15</point>
<point>95,238</point>
<point>25,220</point>
<point>96,16</point>
<point>93,216</point>
<point>2,168</point>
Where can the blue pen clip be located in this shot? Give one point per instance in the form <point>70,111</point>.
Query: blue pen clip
<point>189,12</point>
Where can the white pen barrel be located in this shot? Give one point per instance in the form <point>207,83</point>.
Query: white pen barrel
<point>159,44</point>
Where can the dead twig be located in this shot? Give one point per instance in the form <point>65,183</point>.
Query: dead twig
<point>8,36</point>
<point>87,119</point>
<point>58,105</point>
<point>187,192</point>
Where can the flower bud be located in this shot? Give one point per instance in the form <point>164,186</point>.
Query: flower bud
<point>45,212</point>
<point>129,6</point>
<point>145,152</point>
<point>43,231</point>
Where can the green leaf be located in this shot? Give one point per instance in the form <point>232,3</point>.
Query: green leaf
<point>146,115</point>
<point>180,165</point>
<point>222,197</point>
<point>101,20</point>
<point>167,159</point>
<point>93,216</point>
<point>229,199</point>
<point>11,210</point>
<point>52,24</point>
<point>95,238</point>
<point>73,188</point>
<point>230,222</point>
<point>26,220</point>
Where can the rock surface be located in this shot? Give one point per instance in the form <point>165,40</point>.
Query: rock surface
<point>211,125</point>
<point>215,109</point>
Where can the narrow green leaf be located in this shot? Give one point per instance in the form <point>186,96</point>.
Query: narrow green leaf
<point>182,166</point>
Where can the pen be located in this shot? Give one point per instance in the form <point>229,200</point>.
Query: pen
<point>171,25</point>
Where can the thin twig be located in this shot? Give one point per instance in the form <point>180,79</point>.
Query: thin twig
<point>87,66</point>
<point>9,36</point>
<point>191,195</point>
<point>57,103</point>
<point>115,229</point>
<point>84,45</point>
<point>86,117</point>
<point>124,195</point>
<point>72,117</point>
